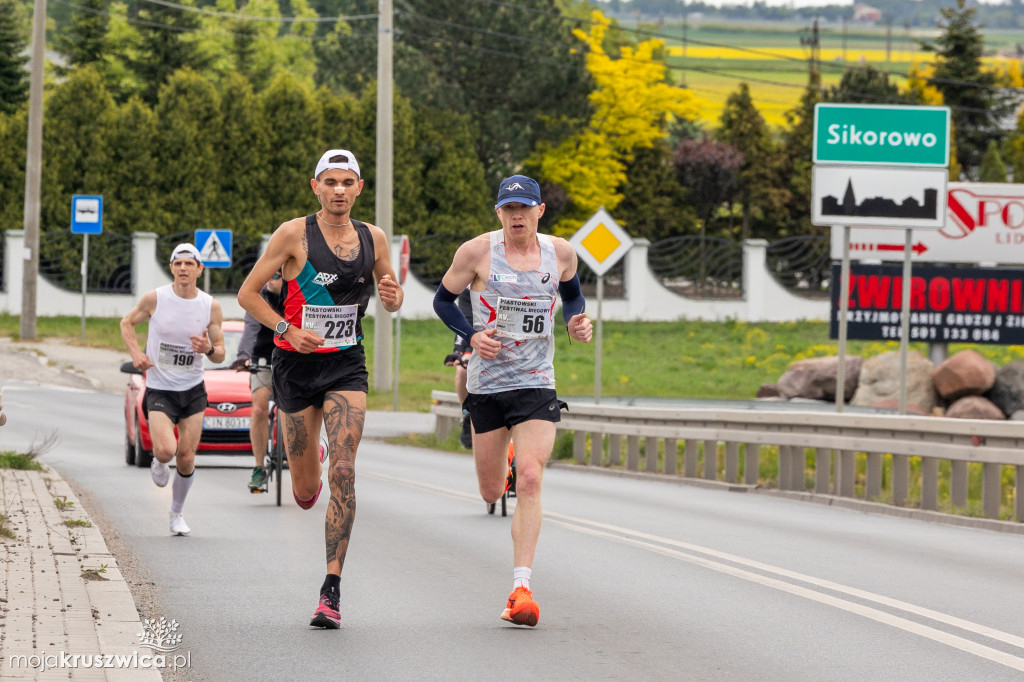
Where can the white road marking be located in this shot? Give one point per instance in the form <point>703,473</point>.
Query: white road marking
<point>666,547</point>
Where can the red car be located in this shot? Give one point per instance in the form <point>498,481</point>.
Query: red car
<point>226,422</point>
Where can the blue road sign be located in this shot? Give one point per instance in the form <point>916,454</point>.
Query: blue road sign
<point>86,214</point>
<point>214,248</point>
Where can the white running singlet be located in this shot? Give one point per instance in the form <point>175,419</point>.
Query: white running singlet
<point>520,304</point>
<point>168,346</point>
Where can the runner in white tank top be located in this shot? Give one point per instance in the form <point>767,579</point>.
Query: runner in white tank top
<point>513,275</point>
<point>521,305</point>
<point>176,367</point>
<point>184,325</point>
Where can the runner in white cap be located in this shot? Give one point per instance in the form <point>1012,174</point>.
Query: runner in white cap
<point>184,325</point>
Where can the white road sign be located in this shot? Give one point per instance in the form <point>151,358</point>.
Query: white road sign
<point>876,196</point>
<point>601,242</point>
<point>984,223</point>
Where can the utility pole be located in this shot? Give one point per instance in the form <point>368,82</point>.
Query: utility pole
<point>809,38</point>
<point>888,40</point>
<point>33,173</point>
<point>385,181</point>
<point>686,25</point>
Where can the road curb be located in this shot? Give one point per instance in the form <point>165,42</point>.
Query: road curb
<point>63,594</point>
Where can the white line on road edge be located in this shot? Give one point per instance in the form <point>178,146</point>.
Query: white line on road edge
<point>646,541</point>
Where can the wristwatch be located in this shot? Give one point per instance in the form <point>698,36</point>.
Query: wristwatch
<point>209,353</point>
<point>282,327</point>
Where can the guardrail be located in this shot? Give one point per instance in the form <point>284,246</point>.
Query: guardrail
<point>842,454</point>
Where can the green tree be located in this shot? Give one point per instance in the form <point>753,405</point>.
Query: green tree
<point>977,103</point>
<point>13,76</point>
<point>190,125</point>
<point>655,205</point>
<point>167,42</point>
<point>131,194</point>
<point>632,106</point>
<point>513,68</point>
<point>83,41</point>
<point>992,167</point>
<point>242,148</point>
<point>13,132</point>
<point>865,85</point>
<point>75,160</point>
<point>761,193</point>
<point>296,122</point>
<point>797,143</point>
<point>1014,150</point>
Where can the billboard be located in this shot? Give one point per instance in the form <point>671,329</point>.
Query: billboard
<point>947,305</point>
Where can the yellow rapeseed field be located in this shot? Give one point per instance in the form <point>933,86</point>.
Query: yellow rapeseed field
<point>713,73</point>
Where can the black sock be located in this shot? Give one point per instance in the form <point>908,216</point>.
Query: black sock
<point>332,585</point>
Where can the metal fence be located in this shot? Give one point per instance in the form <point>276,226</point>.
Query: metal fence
<point>110,261</point>
<point>956,467</point>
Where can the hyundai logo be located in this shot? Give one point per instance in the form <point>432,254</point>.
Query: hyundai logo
<point>226,407</point>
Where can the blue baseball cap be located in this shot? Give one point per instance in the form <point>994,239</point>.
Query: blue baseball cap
<point>518,188</point>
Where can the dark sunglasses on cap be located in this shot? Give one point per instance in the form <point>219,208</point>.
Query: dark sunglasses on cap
<point>276,275</point>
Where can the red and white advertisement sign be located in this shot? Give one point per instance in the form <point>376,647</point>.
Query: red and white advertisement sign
<point>984,224</point>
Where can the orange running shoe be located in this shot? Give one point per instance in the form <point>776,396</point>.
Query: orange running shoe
<point>521,609</point>
<point>510,478</point>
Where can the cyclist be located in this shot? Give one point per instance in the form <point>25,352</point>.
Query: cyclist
<point>183,322</point>
<point>330,262</point>
<point>458,358</point>
<point>255,351</point>
<point>514,275</point>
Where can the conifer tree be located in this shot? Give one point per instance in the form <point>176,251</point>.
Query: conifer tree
<point>13,75</point>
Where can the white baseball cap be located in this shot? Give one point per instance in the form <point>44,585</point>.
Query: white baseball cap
<point>342,159</point>
<point>185,251</point>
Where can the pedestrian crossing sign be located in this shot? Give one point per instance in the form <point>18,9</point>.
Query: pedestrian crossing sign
<point>214,248</point>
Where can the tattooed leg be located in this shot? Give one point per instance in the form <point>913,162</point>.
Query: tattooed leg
<point>344,415</point>
<point>302,430</point>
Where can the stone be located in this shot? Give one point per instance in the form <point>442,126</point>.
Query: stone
<point>1008,392</point>
<point>974,407</point>
<point>816,378</point>
<point>880,380</point>
<point>964,373</point>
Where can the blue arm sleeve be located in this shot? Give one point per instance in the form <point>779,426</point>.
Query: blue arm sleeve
<point>573,302</point>
<point>454,319</point>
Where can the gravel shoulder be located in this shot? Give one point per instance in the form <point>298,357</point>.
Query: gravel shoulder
<point>61,362</point>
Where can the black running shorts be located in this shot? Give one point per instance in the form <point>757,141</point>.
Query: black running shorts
<point>176,404</point>
<point>302,380</point>
<point>490,411</point>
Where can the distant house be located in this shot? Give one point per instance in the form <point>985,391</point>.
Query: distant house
<point>866,13</point>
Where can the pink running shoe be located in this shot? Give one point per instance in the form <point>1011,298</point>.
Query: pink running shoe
<point>326,614</point>
<point>308,504</point>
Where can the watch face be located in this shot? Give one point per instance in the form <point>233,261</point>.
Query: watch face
<point>282,327</point>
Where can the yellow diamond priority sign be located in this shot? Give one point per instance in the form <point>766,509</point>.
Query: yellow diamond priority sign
<point>601,242</point>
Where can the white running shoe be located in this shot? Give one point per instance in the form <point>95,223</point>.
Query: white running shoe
<point>178,525</point>
<point>160,471</point>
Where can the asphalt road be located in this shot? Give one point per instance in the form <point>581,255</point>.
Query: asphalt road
<point>636,579</point>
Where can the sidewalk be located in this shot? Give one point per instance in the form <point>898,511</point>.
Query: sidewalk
<point>61,593</point>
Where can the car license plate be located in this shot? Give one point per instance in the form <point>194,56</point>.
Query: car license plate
<point>226,423</point>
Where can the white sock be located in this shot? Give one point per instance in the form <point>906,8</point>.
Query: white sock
<point>521,577</point>
<point>180,487</point>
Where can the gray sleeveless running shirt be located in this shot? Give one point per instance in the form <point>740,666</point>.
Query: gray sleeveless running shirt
<point>521,363</point>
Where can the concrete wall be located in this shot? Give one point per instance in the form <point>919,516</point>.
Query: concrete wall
<point>647,299</point>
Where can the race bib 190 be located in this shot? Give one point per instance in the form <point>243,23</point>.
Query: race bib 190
<point>524,318</point>
<point>335,323</point>
<point>177,357</point>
